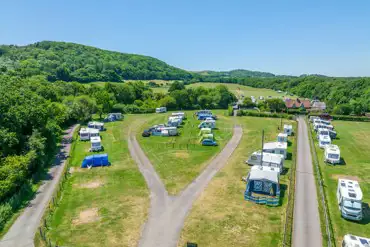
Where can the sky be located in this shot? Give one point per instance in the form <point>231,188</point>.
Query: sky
<point>282,37</point>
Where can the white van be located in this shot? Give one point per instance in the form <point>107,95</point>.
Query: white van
<point>332,154</point>
<point>268,159</point>
<point>349,196</point>
<point>355,241</point>
<point>161,110</point>
<point>324,141</point>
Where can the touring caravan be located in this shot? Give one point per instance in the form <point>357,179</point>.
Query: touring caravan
<point>324,141</point>
<point>174,121</point>
<point>169,131</point>
<point>332,154</point>
<point>205,131</point>
<point>332,134</point>
<point>204,112</point>
<point>263,186</point>
<point>288,129</point>
<point>94,132</point>
<point>178,114</point>
<point>95,144</point>
<point>207,124</point>
<point>282,137</point>
<point>355,241</point>
<point>275,161</point>
<point>161,110</point>
<point>276,148</point>
<point>84,134</point>
<point>96,125</point>
<point>349,196</point>
<point>323,132</point>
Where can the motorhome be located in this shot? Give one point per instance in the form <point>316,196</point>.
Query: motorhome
<point>355,241</point>
<point>95,144</point>
<point>96,125</point>
<point>275,161</point>
<point>282,137</point>
<point>207,124</point>
<point>332,154</point>
<point>161,110</point>
<point>323,132</point>
<point>288,129</point>
<point>276,148</point>
<point>84,134</point>
<point>349,196</point>
<point>324,141</point>
<point>263,186</point>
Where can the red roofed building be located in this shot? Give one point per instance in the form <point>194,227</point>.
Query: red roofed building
<point>298,103</point>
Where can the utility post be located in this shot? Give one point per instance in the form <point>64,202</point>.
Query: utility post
<point>263,137</point>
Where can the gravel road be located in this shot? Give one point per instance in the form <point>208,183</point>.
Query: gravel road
<point>23,230</point>
<point>168,213</point>
<point>306,225</point>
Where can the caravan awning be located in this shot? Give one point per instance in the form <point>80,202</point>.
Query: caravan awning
<point>257,174</point>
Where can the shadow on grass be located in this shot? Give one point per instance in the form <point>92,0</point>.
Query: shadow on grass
<point>289,143</point>
<point>283,190</point>
<point>288,156</point>
<point>366,214</point>
<point>285,171</point>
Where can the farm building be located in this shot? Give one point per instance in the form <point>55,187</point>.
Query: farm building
<point>263,186</point>
<point>297,103</point>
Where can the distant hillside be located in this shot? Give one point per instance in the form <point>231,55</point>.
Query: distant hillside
<point>69,61</point>
<point>238,73</point>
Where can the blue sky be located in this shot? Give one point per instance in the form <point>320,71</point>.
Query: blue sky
<point>282,37</point>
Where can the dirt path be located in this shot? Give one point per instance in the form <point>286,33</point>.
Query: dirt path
<point>167,213</point>
<point>23,230</point>
<point>306,225</point>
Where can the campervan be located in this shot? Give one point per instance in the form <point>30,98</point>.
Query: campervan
<point>332,154</point>
<point>95,144</point>
<point>355,241</point>
<point>323,132</point>
<point>282,137</point>
<point>161,110</point>
<point>324,141</point>
<point>84,134</point>
<point>96,125</point>
<point>207,124</point>
<point>276,148</point>
<point>288,129</point>
<point>275,161</point>
<point>349,196</point>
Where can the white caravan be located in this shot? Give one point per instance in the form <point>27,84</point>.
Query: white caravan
<point>288,129</point>
<point>332,154</point>
<point>96,125</point>
<point>84,134</point>
<point>178,114</point>
<point>169,131</point>
<point>95,144</point>
<point>276,148</point>
<point>282,137</point>
<point>323,132</point>
<point>207,124</point>
<point>268,159</point>
<point>324,141</point>
<point>355,241</point>
<point>349,196</point>
<point>160,109</point>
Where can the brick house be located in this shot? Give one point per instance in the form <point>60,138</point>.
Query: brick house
<point>298,103</point>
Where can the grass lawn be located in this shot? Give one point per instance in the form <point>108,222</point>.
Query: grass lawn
<point>103,206</point>
<point>221,216</point>
<point>178,160</point>
<point>354,146</point>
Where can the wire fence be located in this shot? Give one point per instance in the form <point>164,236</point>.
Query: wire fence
<point>321,190</point>
<point>288,226</point>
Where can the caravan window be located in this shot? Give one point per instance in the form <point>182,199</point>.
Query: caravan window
<point>352,205</point>
<point>281,151</point>
<point>333,156</point>
<point>254,157</point>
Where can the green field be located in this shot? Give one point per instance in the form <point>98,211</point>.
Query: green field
<point>221,216</point>
<point>179,160</point>
<point>354,146</point>
<point>103,206</point>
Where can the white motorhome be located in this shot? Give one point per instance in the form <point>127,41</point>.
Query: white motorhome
<point>332,154</point>
<point>84,134</point>
<point>282,137</point>
<point>288,129</point>
<point>95,144</point>
<point>355,241</point>
<point>323,132</point>
<point>161,110</point>
<point>349,196</point>
<point>276,148</point>
<point>268,159</point>
<point>207,124</point>
<point>324,141</point>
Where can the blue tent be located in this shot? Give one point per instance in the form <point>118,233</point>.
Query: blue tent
<point>95,160</point>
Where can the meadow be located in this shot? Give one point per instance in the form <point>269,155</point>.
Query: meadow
<point>354,147</point>
<point>221,216</point>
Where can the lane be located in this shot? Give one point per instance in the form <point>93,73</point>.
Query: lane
<point>167,214</point>
<point>306,221</point>
<point>23,230</point>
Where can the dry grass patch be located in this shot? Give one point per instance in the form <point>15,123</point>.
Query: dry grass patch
<point>90,185</point>
<point>87,216</point>
<point>338,176</point>
<point>182,154</point>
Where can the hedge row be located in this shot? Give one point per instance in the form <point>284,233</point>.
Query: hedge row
<point>131,109</point>
<point>347,118</point>
<point>264,114</point>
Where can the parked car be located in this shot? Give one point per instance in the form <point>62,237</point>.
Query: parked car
<point>209,142</point>
<point>146,133</point>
